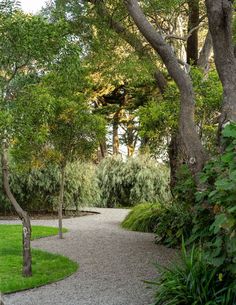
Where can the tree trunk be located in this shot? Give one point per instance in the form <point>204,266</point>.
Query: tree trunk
<point>204,56</point>
<point>220,25</point>
<point>193,22</point>
<point>116,142</point>
<point>175,159</point>
<point>194,152</point>
<point>103,149</point>
<point>1,299</point>
<point>26,232</point>
<point>61,201</point>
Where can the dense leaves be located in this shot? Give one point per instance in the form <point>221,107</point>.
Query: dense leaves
<point>127,183</point>
<point>37,189</point>
<point>215,221</point>
<point>193,282</point>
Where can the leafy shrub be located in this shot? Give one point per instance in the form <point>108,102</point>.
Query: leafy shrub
<point>194,282</point>
<point>169,222</point>
<point>185,188</point>
<point>38,189</point>
<point>143,217</point>
<point>175,222</point>
<point>129,182</point>
<point>215,215</point>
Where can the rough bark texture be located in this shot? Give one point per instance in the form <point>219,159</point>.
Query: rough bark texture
<point>103,149</point>
<point>130,38</point>
<point>26,232</point>
<point>220,22</point>
<point>193,22</point>
<point>61,201</point>
<point>174,157</point>
<point>195,154</point>
<point>205,54</point>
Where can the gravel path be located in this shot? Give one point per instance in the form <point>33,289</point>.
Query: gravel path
<point>113,263</point>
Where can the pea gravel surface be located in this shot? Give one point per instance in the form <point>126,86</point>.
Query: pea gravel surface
<point>113,263</point>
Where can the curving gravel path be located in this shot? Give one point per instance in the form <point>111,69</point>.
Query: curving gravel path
<point>113,263</point>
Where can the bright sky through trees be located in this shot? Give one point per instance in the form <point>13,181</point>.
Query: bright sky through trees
<point>32,6</point>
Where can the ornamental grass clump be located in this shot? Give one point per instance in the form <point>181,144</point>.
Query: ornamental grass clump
<point>194,282</point>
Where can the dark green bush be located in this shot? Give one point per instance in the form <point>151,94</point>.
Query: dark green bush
<point>175,222</point>
<point>143,217</point>
<point>194,282</point>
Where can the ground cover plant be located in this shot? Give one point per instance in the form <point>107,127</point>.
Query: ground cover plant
<point>143,217</point>
<point>47,267</point>
<point>170,222</point>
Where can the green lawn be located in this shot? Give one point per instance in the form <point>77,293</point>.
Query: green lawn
<point>47,267</point>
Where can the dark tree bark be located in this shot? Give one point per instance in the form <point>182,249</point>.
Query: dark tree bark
<point>205,54</point>
<point>193,22</point>
<point>194,152</point>
<point>26,230</point>
<point>175,158</point>
<point>220,24</point>
<point>61,201</point>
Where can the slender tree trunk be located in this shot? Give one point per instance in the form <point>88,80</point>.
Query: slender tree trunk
<point>61,200</point>
<point>103,149</point>
<point>26,232</point>
<point>193,22</point>
<point>220,24</point>
<point>116,141</point>
<point>205,54</point>
<point>195,155</point>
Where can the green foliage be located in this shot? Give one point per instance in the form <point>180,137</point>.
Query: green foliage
<point>169,222</point>
<point>159,117</point>
<point>129,182</point>
<point>194,282</point>
<point>143,217</point>
<point>185,188</point>
<point>37,189</point>
<point>54,115</point>
<point>215,221</point>
<point>47,267</point>
<point>175,222</point>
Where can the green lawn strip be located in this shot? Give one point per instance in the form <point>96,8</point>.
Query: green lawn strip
<point>47,267</point>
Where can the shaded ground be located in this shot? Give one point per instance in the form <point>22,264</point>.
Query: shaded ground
<point>113,263</point>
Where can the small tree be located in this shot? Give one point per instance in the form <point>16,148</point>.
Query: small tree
<point>26,43</point>
<point>75,135</point>
<point>64,127</point>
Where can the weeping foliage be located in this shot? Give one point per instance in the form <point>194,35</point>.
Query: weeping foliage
<point>37,189</point>
<point>129,182</point>
<point>143,217</point>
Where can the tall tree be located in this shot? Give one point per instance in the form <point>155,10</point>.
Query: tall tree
<point>192,148</point>
<point>193,23</point>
